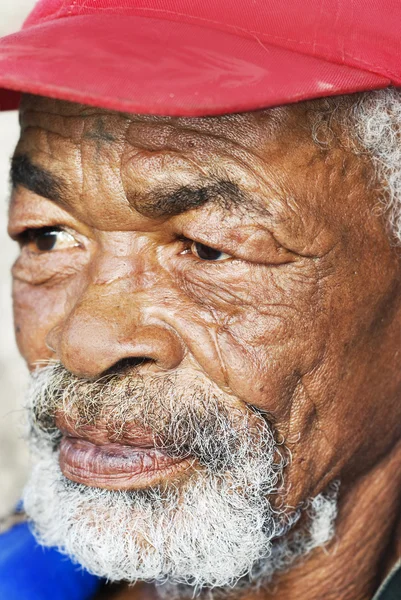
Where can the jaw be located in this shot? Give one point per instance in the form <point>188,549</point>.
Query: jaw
<point>201,532</point>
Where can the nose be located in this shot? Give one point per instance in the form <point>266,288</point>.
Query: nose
<point>105,328</point>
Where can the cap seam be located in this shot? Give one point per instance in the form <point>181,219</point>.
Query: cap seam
<point>250,34</point>
<point>70,8</point>
<point>191,18</point>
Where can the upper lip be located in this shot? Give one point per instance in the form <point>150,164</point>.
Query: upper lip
<point>100,434</point>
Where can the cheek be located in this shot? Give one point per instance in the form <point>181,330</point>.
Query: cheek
<point>265,362</point>
<point>36,312</point>
<point>264,330</point>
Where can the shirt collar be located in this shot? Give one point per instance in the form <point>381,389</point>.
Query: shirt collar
<point>390,589</point>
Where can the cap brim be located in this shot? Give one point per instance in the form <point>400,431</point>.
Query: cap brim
<point>153,66</point>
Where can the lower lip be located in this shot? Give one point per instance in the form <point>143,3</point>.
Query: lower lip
<point>117,467</point>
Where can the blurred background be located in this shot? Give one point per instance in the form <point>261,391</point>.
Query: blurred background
<point>13,374</point>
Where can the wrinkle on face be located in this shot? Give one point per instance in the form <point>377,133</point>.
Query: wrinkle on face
<point>286,325</point>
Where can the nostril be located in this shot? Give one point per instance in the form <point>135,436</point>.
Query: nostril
<point>128,363</point>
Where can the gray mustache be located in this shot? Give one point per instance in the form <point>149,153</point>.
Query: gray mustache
<point>187,416</point>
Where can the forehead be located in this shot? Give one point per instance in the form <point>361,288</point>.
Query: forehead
<point>170,144</point>
<point>241,127</point>
<point>113,162</point>
<point>263,134</point>
<point>146,153</point>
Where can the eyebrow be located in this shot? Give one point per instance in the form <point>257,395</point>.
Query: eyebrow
<point>36,179</point>
<point>220,191</point>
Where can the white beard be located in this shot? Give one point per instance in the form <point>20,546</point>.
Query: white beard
<point>217,529</point>
<point>208,534</point>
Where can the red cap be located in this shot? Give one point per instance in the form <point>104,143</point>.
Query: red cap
<point>201,57</point>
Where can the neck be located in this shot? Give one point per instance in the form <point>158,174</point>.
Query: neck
<point>351,567</point>
<point>365,547</point>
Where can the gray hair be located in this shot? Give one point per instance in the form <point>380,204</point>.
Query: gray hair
<point>372,123</point>
<point>377,118</point>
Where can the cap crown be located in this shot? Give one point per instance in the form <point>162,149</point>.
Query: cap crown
<point>201,57</point>
<point>361,34</point>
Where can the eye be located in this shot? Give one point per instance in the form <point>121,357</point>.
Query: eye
<point>207,253</point>
<point>47,239</point>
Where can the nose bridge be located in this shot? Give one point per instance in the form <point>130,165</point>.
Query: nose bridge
<point>107,322</point>
<point>133,262</point>
<point>117,282</point>
<point>109,297</point>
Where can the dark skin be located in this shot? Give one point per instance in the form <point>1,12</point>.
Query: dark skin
<point>238,247</point>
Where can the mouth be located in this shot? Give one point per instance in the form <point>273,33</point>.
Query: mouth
<point>115,466</point>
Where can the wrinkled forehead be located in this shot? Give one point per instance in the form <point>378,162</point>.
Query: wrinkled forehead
<point>105,162</point>
<point>148,153</point>
<point>250,129</point>
<point>233,147</point>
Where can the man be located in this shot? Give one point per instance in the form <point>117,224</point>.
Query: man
<point>208,293</point>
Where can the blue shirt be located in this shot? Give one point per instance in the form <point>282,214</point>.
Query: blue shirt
<point>30,572</point>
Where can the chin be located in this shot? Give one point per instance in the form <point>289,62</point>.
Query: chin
<point>206,533</point>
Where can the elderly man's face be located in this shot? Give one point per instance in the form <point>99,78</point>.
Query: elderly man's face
<point>234,251</point>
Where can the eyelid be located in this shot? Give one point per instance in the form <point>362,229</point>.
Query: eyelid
<point>30,234</point>
<point>23,237</point>
<point>189,241</point>
<point>189,250</point>
<point>27,235</point>
<point>29,212</point>
<point>217,260</point>
<point>239,257</point>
